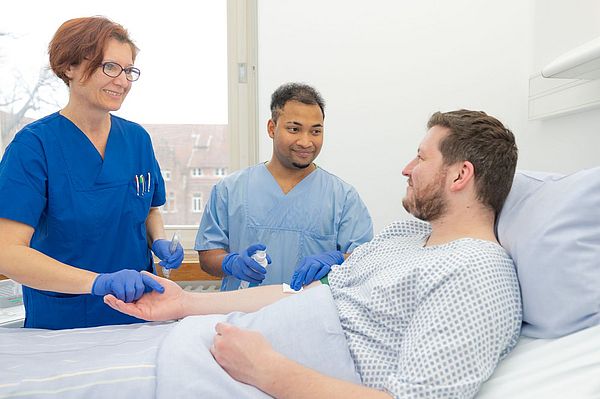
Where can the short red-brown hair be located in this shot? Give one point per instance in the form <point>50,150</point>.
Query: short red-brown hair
<point>84,38</point>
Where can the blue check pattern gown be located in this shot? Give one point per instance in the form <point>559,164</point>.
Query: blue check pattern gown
<point>427,322</point>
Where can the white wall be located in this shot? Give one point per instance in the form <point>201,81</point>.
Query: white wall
<point>384,67</point>
<point>572,142</point>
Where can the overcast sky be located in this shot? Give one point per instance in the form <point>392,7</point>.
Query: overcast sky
<point>183,54</point>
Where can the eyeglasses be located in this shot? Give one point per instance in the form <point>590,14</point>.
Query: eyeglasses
<point>113,70</point>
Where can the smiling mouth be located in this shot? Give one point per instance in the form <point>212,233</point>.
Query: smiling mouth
<point>113,93</point>
<point>304,154</point>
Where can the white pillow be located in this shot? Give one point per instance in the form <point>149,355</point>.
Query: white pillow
<point>550,225</point>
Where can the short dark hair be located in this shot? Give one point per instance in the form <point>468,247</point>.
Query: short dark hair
<point>484,141</point>
<point>84,38</point>
<point>295,92</point>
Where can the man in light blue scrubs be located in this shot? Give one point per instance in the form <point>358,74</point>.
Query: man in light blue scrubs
<point>307,219</point>
<point>80,190</point>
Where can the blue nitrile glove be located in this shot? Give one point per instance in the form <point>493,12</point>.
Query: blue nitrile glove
<point>315,267</point>
<point>127,285</point>
<point>168,260</point>
<point>243,267</point>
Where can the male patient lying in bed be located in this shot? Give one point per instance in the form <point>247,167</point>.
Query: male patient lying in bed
<point>426,309</point>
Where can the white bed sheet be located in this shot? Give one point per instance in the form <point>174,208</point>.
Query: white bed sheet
<point>167,360</point>
<point>101,362</point>
<point>567,367</point>
<point>96,362</point>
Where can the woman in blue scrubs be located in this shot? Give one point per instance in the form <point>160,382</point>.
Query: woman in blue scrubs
<point>81,189</point>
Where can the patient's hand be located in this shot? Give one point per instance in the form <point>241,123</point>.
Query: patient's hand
<point>152,305</point>
<point>246,355</point>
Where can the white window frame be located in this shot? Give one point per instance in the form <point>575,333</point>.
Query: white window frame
<point>220,172</point>
<point>242,57</point>
<point>166,174</point>
<point>197,203</point>
<point>197,172</point>
<point>172,201</point>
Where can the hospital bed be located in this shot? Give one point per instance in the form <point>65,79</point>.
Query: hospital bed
<point>550,224</point>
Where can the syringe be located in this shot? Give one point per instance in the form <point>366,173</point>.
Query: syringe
<point>172,249</point>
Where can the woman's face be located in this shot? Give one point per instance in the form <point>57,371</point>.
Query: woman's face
<point>101,92</point>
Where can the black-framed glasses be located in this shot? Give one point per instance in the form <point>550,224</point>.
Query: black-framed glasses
<point>113,70</point>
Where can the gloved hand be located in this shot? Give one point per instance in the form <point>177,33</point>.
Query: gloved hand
<point>168,260</point>
<point>243,267</point>
<point>315,267</point>
<point>127,285</point>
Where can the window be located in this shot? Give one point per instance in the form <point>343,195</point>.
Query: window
<point>197,204</point>
<point>213,112</point>
<point>220,172</point>
<point>169,206</point>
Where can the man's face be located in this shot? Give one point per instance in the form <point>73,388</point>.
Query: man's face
<point>297,134</point>
<point>426,192</point>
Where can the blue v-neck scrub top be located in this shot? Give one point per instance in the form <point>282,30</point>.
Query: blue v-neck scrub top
<point>87,212</point>
<point>321,213</point>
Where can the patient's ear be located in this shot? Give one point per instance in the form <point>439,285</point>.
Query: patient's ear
<point>463,173</point>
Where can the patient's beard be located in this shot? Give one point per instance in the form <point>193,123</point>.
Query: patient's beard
<point>431,204</point>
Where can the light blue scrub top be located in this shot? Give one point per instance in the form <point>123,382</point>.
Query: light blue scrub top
<point>321,213</point>
<point>87,212</point>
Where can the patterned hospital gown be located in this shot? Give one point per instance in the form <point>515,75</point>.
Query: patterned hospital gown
<point>427,322</point>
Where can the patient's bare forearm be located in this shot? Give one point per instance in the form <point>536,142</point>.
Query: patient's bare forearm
<point>247,300</point>
<point>284,378</point>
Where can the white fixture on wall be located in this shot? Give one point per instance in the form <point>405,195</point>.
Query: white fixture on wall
<point>570,83</point>
<point>582,62</point>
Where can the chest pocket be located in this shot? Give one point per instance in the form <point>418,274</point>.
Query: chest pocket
<point>139,199</point>
<point>98,209</point>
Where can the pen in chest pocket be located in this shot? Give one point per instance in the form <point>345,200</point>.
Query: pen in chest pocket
<point>142,185</point>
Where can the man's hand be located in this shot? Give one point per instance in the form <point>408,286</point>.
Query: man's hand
<point>243,267</point>
<point>245,355</point>
<point>315,267</point>
<point>153,306</point>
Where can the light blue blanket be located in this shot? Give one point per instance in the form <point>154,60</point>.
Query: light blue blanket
<point>168,360</point>
<point>304,327</point>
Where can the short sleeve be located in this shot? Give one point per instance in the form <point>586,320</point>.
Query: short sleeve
<point>356,226</point>
<point>213,232</point>
<point>23,183</point>
<point>159,197</point>
<point>458,334</point>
